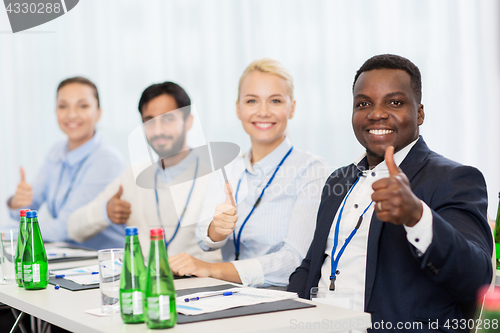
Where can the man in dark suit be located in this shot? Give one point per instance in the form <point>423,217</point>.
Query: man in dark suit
<point>412,242</point>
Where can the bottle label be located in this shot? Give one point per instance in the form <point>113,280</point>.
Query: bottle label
<point>32,273</point>
<point>36,272</point>
<point>132,303</point>
<point>27,273</point>
<point>159,307</point>
<point>19,270</point>
<point>137,302</point>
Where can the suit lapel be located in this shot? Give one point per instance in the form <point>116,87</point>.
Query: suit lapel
<point>413,162</point>
<point>416,159</point>
<point>371,256</point>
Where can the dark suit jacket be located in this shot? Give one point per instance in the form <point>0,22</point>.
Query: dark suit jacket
<point>403,285</point>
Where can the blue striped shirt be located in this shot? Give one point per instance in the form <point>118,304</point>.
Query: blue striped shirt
<point>278,234</point>
<point>90,167</point>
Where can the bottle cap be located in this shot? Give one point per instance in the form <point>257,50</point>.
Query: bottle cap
<point>491,298</point>
<point>131,231</point>
<point>23,212</point>
<point>499,194</point>
<point>156,232</point>
<point>31,214</point>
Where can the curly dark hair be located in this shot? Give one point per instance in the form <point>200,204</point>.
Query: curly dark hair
<point>392,61</point>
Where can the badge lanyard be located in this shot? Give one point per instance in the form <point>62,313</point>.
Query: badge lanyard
<point>335,261</point>
<point>70,187</point>
<point>236,241</point>
<point>185,207</point>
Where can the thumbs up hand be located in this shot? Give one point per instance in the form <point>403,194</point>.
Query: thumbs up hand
<point>225,217</point>
<point>24,193</point>
<point>394,200</point>
<point>118,209</point>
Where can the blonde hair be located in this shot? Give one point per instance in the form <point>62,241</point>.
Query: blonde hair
<point>268,66</point>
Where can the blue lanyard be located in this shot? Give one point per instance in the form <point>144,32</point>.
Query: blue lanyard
<point>236,241</point>
<point>55,212</point>
<point>335,261</point>
<point>185,207</point>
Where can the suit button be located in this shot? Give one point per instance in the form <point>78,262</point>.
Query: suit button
<point>433,268</point>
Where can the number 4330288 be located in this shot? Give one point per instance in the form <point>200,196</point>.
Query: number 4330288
<point>34,8</point>
<point>464,324</point>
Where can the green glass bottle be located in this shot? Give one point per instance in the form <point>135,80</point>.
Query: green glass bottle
<point>35,264</point>
<point>489,321</point>
<point>20,247</point>
<point>132,280</point>
<point>497,234</point>
<point>159,303</point>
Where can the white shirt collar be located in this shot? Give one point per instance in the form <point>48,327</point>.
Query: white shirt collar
<point>271,160</point>
<point>398,158</point>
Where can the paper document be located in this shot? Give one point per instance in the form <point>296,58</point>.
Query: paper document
<point>242,297</point>
<point>84,274</point>
<point>61,250</point>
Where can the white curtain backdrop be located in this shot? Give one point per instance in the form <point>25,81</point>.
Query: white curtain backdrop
<point>204,45</point>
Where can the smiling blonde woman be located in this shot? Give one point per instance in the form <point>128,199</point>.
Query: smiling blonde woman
<point>265,235</point>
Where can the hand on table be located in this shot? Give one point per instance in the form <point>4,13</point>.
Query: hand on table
<point>183,263</point>
<point>394,200</point>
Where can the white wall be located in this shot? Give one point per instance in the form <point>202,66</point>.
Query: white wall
<point>204,45</point>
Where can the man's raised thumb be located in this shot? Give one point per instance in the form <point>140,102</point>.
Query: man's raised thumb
<point>119,193</point>
<point>389,161</point>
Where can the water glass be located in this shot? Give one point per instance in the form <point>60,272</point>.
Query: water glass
<point>110,268</point>
<point>8,244</point>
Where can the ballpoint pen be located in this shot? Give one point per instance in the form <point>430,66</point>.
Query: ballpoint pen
<point>60,276</point>
<point>226,293</point>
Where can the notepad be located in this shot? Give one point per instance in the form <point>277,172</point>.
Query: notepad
<point>241,297</point>
<point>85,279</point>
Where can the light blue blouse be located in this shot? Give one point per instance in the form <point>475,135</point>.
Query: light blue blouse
<point>276,237</point>
<point>70,179</point>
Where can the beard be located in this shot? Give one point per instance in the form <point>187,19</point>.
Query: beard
<point>176,147</point>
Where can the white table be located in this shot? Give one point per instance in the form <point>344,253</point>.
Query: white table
<point>66,308</point>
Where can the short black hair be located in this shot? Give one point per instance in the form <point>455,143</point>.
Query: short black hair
<point>392,61</point>
<point>81,80</point>
<point>168,88</point>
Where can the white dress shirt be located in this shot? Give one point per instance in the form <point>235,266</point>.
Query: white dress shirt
<point>92,218</point>
<point>276,237</point>
<point>352,264</point>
